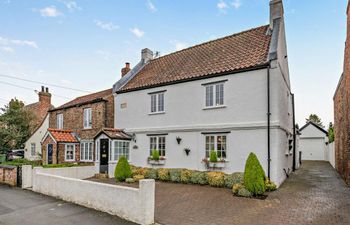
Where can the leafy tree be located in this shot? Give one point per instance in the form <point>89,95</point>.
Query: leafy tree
<point>330,132</point>
<point>14,125</point>
<point>315,119</point>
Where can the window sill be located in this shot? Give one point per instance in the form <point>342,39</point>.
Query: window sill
<point>86,160</point>
<point>156,113</point>
<point>69,160</point>
<point>87,128</point>
<point>215,107</point>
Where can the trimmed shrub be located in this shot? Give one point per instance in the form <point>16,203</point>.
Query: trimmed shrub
<point>236,188</point>
<point>138,177</point>
<point>216,179</point>
<point>270,186</point>
<point>243,192</point>
<point>186,176</point>
<point>141,171</point>
<point>163,174</point>
<point>254,176</point>
<point>213,156</point>
<point>151,174</point>
<point>238,177</point>
<point>198,177</point>
<point>229,181</point>
<point>175,175</point>
<point>155,154</point>
<point>122,170</point>
<point>129,180</point>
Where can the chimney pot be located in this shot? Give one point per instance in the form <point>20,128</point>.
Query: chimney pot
<point>42,88</point>
<point>47,90</point>
<point>146,55</point>
<point>126,69</point>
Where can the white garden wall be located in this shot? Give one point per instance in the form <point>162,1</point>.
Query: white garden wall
<point>78,172</point>
<point>331,154</point>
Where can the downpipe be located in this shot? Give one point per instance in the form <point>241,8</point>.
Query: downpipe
<point>268,121</point>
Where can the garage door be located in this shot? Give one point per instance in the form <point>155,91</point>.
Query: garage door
<point>312,149</point>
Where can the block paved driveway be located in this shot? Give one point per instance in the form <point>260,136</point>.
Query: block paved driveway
<point>22,207</point>
<point>314,194</point>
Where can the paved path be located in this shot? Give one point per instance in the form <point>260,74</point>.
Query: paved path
<point>21,207</point>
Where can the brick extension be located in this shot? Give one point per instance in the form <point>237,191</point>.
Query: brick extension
<point>342,114</point>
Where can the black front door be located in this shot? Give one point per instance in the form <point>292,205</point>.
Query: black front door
<point>49,153</point>
<point>104,146</point>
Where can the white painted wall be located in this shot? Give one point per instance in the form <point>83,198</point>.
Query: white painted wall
<point>78,172</point>
<point>133,204</point>
<point>313,144</point>
<point>331,154</point>
<point>36,138</point>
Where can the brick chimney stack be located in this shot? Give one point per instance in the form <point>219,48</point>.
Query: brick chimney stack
<point>45,97</point>
<point>126,69</point>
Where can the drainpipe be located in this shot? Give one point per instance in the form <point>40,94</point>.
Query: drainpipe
<point>268,121</point>
<point>294,134</point>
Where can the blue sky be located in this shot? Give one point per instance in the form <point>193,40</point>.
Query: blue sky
<point>84,44</point>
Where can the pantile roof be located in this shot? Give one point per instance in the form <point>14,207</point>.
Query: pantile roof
<point>63,135</point>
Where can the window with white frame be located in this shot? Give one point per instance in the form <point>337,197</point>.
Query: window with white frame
<point>157,143</point>
<point>120,148</point>
<point>32,149</point>
<point>215,143</point>
<point>87,118</point>
<point>69,152</point>
<point>157,102</point>
<point>214,95</point>
<point>59,120</point>
<point>86,151</point>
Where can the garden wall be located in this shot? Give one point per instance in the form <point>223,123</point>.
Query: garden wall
<point>8,175</point>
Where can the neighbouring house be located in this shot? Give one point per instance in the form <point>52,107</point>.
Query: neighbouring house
<point>38,125</point>
<point>342,114</point>
<point>73,127</point>
<point>231,95</point>
<point>313,143</point>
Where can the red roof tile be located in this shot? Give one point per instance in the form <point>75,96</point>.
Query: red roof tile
<point>232,53</point>
<point>63,135</point>
<point>86,99</point>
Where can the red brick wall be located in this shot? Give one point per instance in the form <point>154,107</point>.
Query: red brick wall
<point>48,140</point>
<point>342,115</point>
<point>61,153</point>
<point>8,176</point>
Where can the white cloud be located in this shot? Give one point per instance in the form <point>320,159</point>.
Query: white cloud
<point>49,11</point>
<point>222,5</point>
<point>236,4</point>
<point>106,26</point>
<point>8,49</point>
<point>6,42</point>
<point>71,5</point>
<point>151,6</point>
<point>178,44</point>
<point>137,32</point>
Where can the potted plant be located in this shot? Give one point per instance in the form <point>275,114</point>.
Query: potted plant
<point>155,158</point>
<point>213,162</point>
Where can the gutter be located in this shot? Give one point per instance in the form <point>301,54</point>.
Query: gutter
<point>268,122</point>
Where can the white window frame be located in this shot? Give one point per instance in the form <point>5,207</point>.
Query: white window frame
<point>87,147</point>
<point>215,143</point>
<point>65,153</point>
<point>160,141</point>
<point>157,102</point>
<point>214,95</point>
<point>32,149</point>
<point>87,118</point>
<point>59,121</point>
<point>120,148</point>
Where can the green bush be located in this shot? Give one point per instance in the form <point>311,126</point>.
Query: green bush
<point>137,178</point>
<point>243,192</point>
<point>21,162</point>
<point>198,177</point>
<point>122,170</point>
<point>236,188</point>
<point>155,154</point>
<point>238,177</point>
<point>254,176</point>
<point>229,181</point>
<point>270,186</point>
<point>186,176</point>
<point>129,180</point>
<point>151,174</point>
<point>175,175</point>
<point>163,174</point>
<point>216,179</point>
<point>213,156</point>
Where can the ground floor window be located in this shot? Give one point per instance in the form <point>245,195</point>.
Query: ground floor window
<point>157,143</point>
<point>120,148</point>
<point>32,149</point>
<point>86,151</point>
<point>69,152</point>
<point>215,143</point>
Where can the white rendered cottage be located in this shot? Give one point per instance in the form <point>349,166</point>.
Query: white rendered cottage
<point>231,95</point>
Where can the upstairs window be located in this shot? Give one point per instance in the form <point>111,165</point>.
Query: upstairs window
<point>214,95</point>
<point>87,118</point>
<point>59,121</point>
<point>157,102</point>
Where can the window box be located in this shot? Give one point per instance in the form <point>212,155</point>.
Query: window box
<point>161,161</point>
<point>221,164</point>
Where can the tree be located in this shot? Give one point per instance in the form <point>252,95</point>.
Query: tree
<point>330,132</point>
<point>315,119</point>
<point>254,175</point>
<point>14,125</point>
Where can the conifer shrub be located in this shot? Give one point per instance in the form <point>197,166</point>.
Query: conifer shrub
<point>186,176</point>
<point>254,176</point>
<point>122,170</point>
